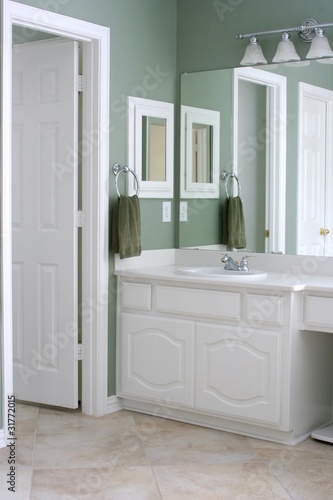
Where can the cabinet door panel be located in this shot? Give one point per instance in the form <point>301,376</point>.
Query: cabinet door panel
<point>205,303</point>
<point>135,295</point>
<point>157,359</point>
<point>318,313</point>
<point>237,376</point>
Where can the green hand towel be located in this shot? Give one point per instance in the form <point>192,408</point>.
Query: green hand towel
<point>236,223</point>
<point>225,222</point>
<point>126,227</point>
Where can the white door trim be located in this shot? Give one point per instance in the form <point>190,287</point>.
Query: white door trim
<point>96,54</point>
<point>276,119</point>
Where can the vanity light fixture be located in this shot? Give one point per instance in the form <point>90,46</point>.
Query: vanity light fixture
<point>253,53</point>
<point>285,51</point>
<point>309,31</point>
<point>320,46</point>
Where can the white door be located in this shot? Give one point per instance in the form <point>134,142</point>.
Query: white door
<point>45,296</point>
<point>314,179</point>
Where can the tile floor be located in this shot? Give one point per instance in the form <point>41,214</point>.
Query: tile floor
<point>63,455</point>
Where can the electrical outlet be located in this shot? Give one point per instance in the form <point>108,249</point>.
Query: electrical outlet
<point>183,211</point>
<point>166,217</point>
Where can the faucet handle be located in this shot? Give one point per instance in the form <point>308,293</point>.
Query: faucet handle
<point>244,263</point>
<point>248,257</point>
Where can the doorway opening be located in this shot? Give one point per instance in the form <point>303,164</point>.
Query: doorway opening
<point>95,171</point>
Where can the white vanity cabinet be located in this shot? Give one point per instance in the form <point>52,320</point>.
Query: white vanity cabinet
<point>229,357</point>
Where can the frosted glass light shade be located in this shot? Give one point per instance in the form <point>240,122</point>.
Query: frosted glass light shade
<point>253,54</point>
<point>320,46</point>
<point>286,50</point>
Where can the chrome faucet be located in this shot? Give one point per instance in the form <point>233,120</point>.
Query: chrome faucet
<point>232,265</point>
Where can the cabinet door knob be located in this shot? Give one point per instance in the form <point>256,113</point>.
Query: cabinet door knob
<point>324,231</point>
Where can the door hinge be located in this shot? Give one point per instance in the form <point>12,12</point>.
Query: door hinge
<point>81,83</point>
<point>266,233</point>
<point>79,352</point>
<point>80,218</point>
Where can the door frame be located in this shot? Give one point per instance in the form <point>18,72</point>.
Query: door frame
<point>95,163</point>
<point>276,118</point>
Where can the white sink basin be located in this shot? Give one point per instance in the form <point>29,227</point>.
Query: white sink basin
<point>221,273</point>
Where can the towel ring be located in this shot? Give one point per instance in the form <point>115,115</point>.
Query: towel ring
<point>226,179</point>
<point>117,169</point>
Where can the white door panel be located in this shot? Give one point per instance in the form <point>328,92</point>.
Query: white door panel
<point>44,233</point>
<point>313,204</point>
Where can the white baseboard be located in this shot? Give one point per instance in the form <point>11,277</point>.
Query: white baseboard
<point>2,439</point>
<point>114,404</point>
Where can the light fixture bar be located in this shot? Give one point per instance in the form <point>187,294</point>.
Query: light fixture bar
<point>309,25</point>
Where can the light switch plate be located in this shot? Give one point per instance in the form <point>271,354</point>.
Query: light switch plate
<point>166,217</point>
<point>183,211</point>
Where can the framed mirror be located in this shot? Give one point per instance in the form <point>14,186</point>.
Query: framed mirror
<point>150,147</point>
<point>200,153</point>
<point>297,188</point>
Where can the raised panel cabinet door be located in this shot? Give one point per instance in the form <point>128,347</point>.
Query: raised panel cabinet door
<point>157,359</point>
<point>44,185</point>
<point>238,376</point>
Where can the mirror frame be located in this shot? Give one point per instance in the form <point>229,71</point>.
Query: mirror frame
<point>188,116</point>
<point>138,107</point>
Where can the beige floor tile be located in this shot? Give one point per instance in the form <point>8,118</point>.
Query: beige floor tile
<point>56,421</point>
<point>24,448</point>
<point>218,482</point>
<point>123,483</point>
<point>127,455</point>
<point>306,479</point>
<point>310,448</point>
<point>26,418</point>
<point>22,484</point>
<point>88,449</point>
<point>168,443</point>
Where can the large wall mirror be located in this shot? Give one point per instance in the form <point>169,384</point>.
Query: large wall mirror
<point>150,147</point>
<point>308,181</point>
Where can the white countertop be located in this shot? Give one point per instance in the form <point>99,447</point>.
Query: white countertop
<point>276,281</point>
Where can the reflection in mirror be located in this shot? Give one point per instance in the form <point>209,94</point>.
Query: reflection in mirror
<point>153,148</point>
<point>201,152</point>
<point>259,154</point>
<point>214,90</point>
